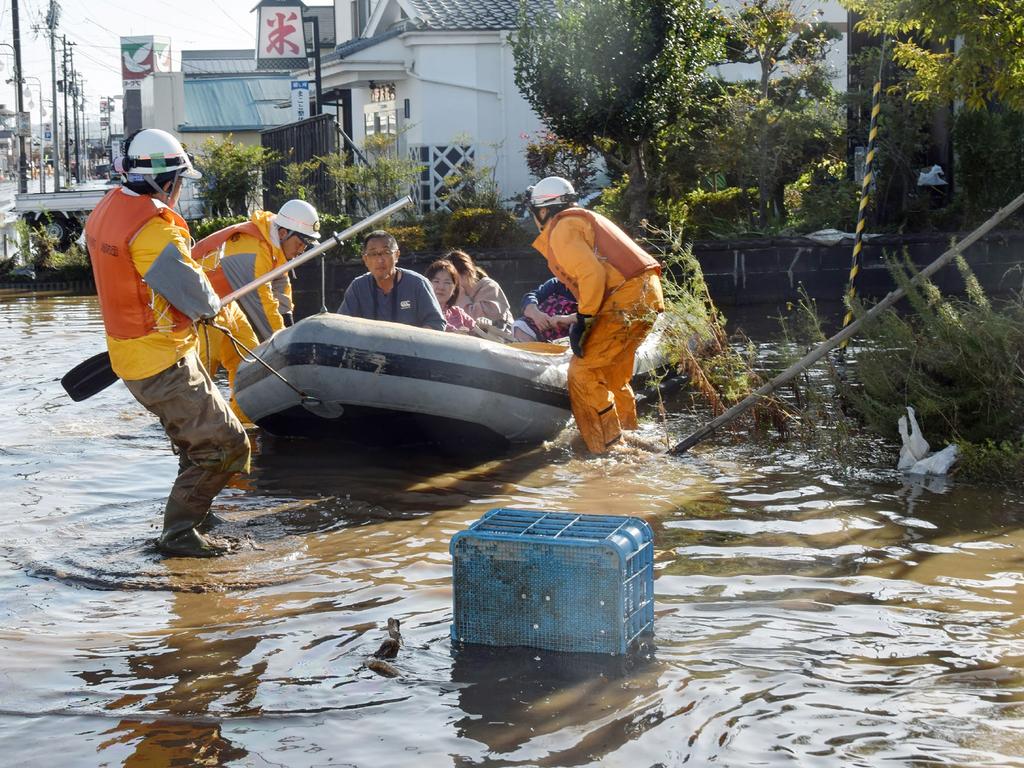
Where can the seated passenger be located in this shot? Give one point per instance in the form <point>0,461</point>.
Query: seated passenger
<point>388,292</point>
<point>445,280</point>
<point>548,312</point>
<point>479,295</point>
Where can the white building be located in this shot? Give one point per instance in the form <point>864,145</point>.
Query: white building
<point>439,75</point>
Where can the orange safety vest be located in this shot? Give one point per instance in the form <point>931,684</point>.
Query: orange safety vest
<point>125,300</point>
<point>204,252</point>
<point>611,245</point>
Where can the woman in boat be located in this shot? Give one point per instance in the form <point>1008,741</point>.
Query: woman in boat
<point>549,310</point>
<point>445,281</point>
<point>479,295</point>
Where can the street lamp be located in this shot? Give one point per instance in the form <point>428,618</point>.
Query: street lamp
<point>42,133</point>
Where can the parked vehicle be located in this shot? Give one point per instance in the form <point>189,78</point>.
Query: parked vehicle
<point>62,214</point>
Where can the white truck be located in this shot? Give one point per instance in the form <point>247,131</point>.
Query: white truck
<point>62,214</point>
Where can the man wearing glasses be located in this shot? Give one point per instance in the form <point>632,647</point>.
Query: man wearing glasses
<point>235,256</point>
<point>388,292</point>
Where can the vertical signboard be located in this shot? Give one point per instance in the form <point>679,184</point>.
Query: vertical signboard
<point>300,99</point>
<point>281,37</point>
<point>141,56</point>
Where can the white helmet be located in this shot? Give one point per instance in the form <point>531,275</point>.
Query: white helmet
<point>152,152</point>
<point>299,216</point>
<point>553,190</point>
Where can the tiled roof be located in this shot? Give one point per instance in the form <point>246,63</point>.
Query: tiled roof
<point>236,103</point>
<point>475,14</point>
<point>359,44</point>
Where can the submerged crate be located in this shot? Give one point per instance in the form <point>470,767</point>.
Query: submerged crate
<point>564,582</point>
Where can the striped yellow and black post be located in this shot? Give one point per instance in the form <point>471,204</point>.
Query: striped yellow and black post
<point>865,188</point>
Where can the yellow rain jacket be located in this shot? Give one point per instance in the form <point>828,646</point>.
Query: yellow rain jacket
<point>237,255</point>
<point>618,285</point>
<point>150,299</point>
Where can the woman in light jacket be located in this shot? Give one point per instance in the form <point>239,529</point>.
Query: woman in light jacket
<point>479,295</point>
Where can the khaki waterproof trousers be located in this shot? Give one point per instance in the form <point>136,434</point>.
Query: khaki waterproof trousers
<point>602,399</point>
<point>210,441</point>
<point>217,351</point>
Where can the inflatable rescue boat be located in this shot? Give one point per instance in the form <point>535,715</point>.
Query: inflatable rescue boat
<point>376,383</point>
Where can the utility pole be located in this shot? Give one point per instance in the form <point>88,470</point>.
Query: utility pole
<point>19,99</point>
<point>67,136</point>
<point>74,111</point>
<point>51,21</point>
<point>85,131</point>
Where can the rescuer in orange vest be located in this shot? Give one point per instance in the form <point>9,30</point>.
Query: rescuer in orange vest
<point>151,294</point>
<point>618,287</point>
<point>235,256</point>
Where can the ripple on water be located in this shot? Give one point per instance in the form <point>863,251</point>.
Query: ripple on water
<point>114,547</point>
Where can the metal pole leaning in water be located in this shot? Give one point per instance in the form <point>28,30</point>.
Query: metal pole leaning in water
<point>826,346</point>
<point>336,239</point>
<point>865,187</point>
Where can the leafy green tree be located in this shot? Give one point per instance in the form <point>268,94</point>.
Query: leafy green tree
<point>771,127</point>
<point>612,74</point>
<point>232,174</point>
<point>960,50</point>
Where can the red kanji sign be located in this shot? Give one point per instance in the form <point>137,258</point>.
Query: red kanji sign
<point>282,41</point>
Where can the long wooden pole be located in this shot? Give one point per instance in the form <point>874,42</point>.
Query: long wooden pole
<point>826,346</point>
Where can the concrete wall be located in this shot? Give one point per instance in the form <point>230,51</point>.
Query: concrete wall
<point>163,101</point>
<point>739,273</point>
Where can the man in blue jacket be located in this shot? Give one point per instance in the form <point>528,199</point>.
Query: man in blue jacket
<point>388,292</point>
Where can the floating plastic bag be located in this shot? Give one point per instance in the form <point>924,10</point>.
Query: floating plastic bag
<point>933,177</point>
<point>915,455</point>
<point>915,447</point>
<point>938,463</point>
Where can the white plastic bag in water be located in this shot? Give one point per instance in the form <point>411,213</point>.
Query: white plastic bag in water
<point>915,455</point>
<point>915,447</point>
<point>938,463</point>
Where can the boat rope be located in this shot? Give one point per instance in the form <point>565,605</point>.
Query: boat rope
<point>865,188</point>
<point>252,355</point>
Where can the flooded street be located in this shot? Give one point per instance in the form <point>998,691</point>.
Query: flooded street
<point>804,616</point>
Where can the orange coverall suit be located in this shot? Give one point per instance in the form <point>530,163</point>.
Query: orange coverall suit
<point>618,285</point>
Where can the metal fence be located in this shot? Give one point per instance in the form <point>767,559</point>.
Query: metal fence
<point>296,143</point>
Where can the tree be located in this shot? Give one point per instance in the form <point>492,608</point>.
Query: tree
<point>612,74</point>
<point>232,173</point>
<point>987,61</point>
<point>786,117</point>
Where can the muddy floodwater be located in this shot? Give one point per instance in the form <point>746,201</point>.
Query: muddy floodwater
<point>805,616</point>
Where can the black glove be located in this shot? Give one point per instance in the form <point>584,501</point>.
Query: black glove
<point>578,332</point>
<point>289,319</point>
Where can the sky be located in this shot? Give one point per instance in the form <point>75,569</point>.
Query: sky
<point>95,27</point>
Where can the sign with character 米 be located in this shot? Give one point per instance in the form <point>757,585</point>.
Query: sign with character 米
<point>281,39</point>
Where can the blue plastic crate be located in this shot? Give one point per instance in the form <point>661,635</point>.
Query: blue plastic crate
<point>563,582</point>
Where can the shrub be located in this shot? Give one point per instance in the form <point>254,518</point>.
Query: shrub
<point>704,213</point>
<point>957,362</point>
<point>412,237</point>
<point>200,228</point>
<point>823,198</point>
<point>483,228</point>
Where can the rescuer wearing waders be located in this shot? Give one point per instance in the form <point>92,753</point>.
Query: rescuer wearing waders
<point>151,294</point>
<point>618,287</point>
<point>236,256</point>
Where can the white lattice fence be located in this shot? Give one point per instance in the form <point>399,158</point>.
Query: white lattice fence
<point>439,161</point>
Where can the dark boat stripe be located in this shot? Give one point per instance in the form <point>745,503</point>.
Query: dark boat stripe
<point>412,367</point>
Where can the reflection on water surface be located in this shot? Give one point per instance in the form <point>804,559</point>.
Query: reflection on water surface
<point>804,616</point>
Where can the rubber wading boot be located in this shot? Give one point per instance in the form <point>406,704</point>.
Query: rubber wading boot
<point>189,543</point>
<point>180,538</point>
<point>211,521</point>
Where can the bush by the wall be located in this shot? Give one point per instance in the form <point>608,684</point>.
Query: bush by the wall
<point>823,198</point>
<point>705,214</point>
<point>483,228</point>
